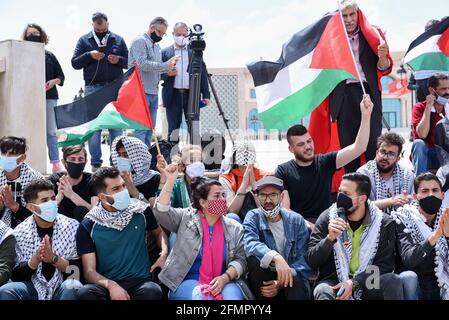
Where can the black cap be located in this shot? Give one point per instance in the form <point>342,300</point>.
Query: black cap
<point>99,15</point>
<point>270,181</point>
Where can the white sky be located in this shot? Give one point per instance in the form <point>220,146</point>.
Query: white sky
<point>237,32</point>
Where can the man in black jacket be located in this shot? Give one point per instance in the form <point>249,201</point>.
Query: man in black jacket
<point>102,55</point>
<point>423,234</point>
<point>353,245</point>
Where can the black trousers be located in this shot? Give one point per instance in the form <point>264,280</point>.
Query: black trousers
<point>137,289</point>
<point>348,123</point>
<point>174,111</point>
<point>257,276</point>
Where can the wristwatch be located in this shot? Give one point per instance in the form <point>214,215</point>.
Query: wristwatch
<point>55,259</point>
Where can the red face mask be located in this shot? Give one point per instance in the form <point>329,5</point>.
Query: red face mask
<point>218,207</point>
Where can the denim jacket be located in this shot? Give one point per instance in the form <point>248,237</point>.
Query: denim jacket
<point>187,225</point>
<point>260,243</point>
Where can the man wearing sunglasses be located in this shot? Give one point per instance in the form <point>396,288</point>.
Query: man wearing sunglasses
<point>276,246</point>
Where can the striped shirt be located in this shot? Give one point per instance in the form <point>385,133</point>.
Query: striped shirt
<point>148,57</point>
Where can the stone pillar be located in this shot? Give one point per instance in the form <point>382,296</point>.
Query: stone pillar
<point>22,97</point>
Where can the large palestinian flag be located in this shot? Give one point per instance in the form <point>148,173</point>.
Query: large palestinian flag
<point>77,121</point>
<point>430,51</point>
<point>311,65</point>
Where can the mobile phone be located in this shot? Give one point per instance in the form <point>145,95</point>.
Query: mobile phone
<point>102,49</point>
<point>341,291</point>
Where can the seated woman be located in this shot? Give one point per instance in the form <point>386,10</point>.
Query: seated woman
<point>209,253</point>
<point>239,182</point>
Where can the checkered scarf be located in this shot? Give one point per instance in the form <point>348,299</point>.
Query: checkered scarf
<point>116,220</point>
<point>245,153</point>
<point>5,231</point>
<point>63,245</point>
<point>401,181</point>
<point>368,246</point>
<point>27,175</point>
<point>415,225</point>
<point>140,158</point>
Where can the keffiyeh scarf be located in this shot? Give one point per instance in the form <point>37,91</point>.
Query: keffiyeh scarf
<point>63,244</point>
<point>27,175</point>
<point>5,231</point>
<point>401,180</point>
<point>140,158</point>
<point>415,225</point>
<point>368,246</point>
<point>116,220</point>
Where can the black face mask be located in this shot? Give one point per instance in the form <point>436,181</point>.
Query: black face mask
<point>101,35</point>
<point>431,205</point>
<point>155,37</point>
<point>75,170</point>
<point>33,38</point>
<point>344,201</point>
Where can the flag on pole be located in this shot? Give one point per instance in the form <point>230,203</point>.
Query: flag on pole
<point>119,105</point>
<point>430,51</point>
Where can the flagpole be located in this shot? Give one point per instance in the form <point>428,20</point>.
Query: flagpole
<point>156,142</point>
<point>350,48</point>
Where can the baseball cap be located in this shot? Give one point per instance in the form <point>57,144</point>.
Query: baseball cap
<point>270,181</point>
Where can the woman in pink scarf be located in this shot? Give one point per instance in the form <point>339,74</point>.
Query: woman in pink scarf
<point>208,254</point>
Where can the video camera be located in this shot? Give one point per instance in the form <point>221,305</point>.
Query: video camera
<point>196,38</point>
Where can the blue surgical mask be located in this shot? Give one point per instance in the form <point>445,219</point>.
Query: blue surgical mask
<point>124,164</point>
<point>49,211</point>
<point>121,200</point>
<point>195,170</point>
<point>8,164</point>
<point>442,100</point>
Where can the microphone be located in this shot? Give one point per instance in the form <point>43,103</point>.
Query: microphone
<point>344,237</point>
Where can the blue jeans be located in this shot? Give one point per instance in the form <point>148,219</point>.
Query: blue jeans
<point>146,135</point>
<point>52,139</point>
<point>424,157</point>
<point>189,290</point>
<point>26,291</point>
<point>409,281</point>
<point>95,140</point>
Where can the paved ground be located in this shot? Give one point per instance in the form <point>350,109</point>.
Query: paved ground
<point>270,153</point>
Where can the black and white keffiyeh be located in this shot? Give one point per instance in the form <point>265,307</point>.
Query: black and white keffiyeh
<point>27,175</point>
<point>116,220</point>
<point>140,158</point>
<point>402,178</point>
<point>5,231</point>
<point>245,153</point>
<point>368,246</point>
<point>63,244</point>
<point>415,225</point>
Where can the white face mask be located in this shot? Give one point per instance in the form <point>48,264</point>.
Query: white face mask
<point>270,214</point>
<point>195,170</point>
<point>181,41</point>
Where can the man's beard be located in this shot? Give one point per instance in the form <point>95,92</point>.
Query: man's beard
<point>302,158</point>
<point>388,169</point>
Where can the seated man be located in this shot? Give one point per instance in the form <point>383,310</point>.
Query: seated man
<point>132,158</point>
<point>276,246</point>
<point>7,252</point>
<point>426,115</point>
<point>353,244</point>
<point>74,194</point>
<point>423,234</point>
<point>45,248</point>
<point>111,242</point>
<point>391,184</point>
<point>15,176</point>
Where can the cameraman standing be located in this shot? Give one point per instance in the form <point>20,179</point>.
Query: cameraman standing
<point>146,52</point>
<point>175,89</point>
<point>102,55</point>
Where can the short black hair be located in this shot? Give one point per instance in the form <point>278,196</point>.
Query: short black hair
<point>14,144</point>
<point>99,177</point>
<point>362,181</point>
<point>99,15</point>
<point>201,188</point>
<point>119,145</point>
<point>30,193</point>
<point>68,151</point>
<point>391,138</point>
<point>435,79</point>
<point>296,130</point>
<point>426,176</point>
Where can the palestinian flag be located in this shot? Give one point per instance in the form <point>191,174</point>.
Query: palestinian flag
<point>311,65</point>
<point>77,121</point>
<point>430,51</point>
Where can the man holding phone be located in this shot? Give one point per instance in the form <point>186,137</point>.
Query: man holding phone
<point>425,117</point>
<point>102,55</point>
